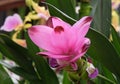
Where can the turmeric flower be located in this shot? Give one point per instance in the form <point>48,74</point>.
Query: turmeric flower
<point>12,23</point>
<point>61,42</point>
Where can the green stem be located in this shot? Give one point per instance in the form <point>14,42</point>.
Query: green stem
<point>105,78</point>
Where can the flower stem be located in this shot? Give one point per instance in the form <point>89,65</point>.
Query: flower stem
<point>105,78</point>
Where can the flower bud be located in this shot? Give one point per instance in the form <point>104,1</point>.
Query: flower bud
<point>92,71</point>
<point>28,3</point>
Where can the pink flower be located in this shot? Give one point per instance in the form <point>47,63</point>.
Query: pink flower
<point>61,41</point>
<point>12,22</point>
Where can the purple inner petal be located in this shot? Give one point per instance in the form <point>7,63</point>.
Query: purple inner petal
<point>94,74</point>
<point>53,63</point>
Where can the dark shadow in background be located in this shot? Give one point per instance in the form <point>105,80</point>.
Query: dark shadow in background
<point>2,17</point>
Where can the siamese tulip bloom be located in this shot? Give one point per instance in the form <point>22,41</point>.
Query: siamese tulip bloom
<point>12,22</point>
<point>61,41</point>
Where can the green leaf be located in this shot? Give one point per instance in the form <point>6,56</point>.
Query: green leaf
<point>69,9</point>
<point>109,75</point>
<point>66,79</point>
<point>4,77</point>
<point>105,72</point>
<point>115,39</point>
<point>45,73</point>
<point>16,53</point>
<point>103,51</point>
<point>101,12</point>
<point>20,71</point>
<point>66,6</point>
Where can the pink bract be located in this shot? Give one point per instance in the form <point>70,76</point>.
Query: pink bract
<point>12,22</point>
<point>61,41</point>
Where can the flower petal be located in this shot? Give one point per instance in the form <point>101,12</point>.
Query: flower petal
<point>94,74</point>
<point>81,49</point>
<point>77,57</point>
<point>82,26</point>
<point>41,35</point>
<point>18,18</point>
<point>41,15</point>
<point>50,55</point>
<point>11,22</point>
<point>64,39</point>
<point>54,21</point>
<point>53,63</point>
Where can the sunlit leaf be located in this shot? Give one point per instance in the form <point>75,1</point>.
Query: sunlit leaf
<point>115,40</point>
<point>101,12</point>
<point>4,77</point>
